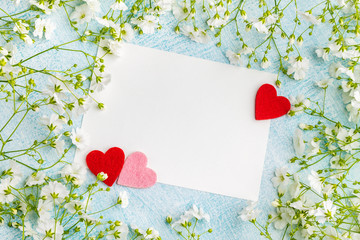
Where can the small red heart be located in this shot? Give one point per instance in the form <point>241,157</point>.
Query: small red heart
<point>268,105</point>
<point>110,163</point>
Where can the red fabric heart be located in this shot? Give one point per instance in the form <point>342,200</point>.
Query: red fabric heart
<point>268,105</point>
<point>110,163</point>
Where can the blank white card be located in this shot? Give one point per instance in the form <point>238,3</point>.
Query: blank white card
<point>193,118</point>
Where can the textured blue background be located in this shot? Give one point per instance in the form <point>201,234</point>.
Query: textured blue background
<point>150,207</point>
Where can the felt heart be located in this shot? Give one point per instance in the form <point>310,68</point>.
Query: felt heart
<point>135,173</point>
<point>110,163</point>
<point>268,105</point>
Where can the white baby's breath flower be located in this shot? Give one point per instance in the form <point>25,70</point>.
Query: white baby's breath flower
<point>47,6</point>
<point>295,187</point>
<point>54,123</point>
<point>44,207</point>
<point>249,213</point>
<point>315,181</point>
<point>15,173</point>
<point>102,176</point>
<point>44,27</point>
<point>179,11</point>
<point>115,47</point>
<point>265,63</point>
<point>5,191</point>
<point>298,104</point>
<point>196,34</point>
<point>284,217</point>
<point>79,138</point>
<point>36,178</point>
<point>216,21</point>
<point>27,39</point>
<point>126,32</point>
<point>74,206</point>
<point>119,5</point>
<point>314,147</point>
<point>336,69</point>
<point>21,27</point>
<point>82,105</point>
<point>82,14</point>
<point>327,212</point>
<point>59,146</point>
<point>123,199</point>
<point>55,190</point>
<point>281,180</point>
<point>260,26</point>
<point>94,5</point>
<point>324,83</point>
<point>234,58</point>
<point>120,231</point>
<point>348,140</point>
<point>299,144</point>
<point>197,213</point>
<point>323,53</point>
<point>309,17</point>
<point>298,67</point>
<point>50,225</point>
<point>147,23</point>
<point>76,171</point>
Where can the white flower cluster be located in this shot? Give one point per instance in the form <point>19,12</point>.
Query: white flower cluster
<point>150,233</point>
<point>183,226</point>
<point>53,203</point>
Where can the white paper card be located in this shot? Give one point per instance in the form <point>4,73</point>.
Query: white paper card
<point>193,118</point>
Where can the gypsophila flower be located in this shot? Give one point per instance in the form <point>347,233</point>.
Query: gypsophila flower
<point>299,144</point>
<point>115,47</point>
<point>249,213</point>
<point>119,5</point>
<point>74,206</point>
<point>197,213</point>
<point>298,104</point>
<point>94,5</point>
<point>309,17</point>
<point>54,123</point>
<point>323,53</point>
<point>102,176</point>
<point>5,191</point>
<point>44,27</point>
<point>76,171</point>
<point>336,69</point>
<point>324,83</point>
<point>315,181</point>
<point>21,27</point>
<point>327,212</point>
<point>196,34</point>
<point>47,6</point>
<point>281,180</point>
<point>50,225</point>
<point>123,199</point>
<point>265,63</point>
<point>314,147</point>
<point>82,14</point>
<point>44,207</point>
<point>36,178</point>
<point>120,231</point>
<point>79,138</point>
<point>298,67</point>
<point>284,217</point>
<point>147,23</point>
<point>55,190</point>
<point>234,58</point>
<point>348,139</point>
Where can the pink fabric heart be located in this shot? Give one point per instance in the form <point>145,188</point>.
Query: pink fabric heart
<point>135,173</point>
